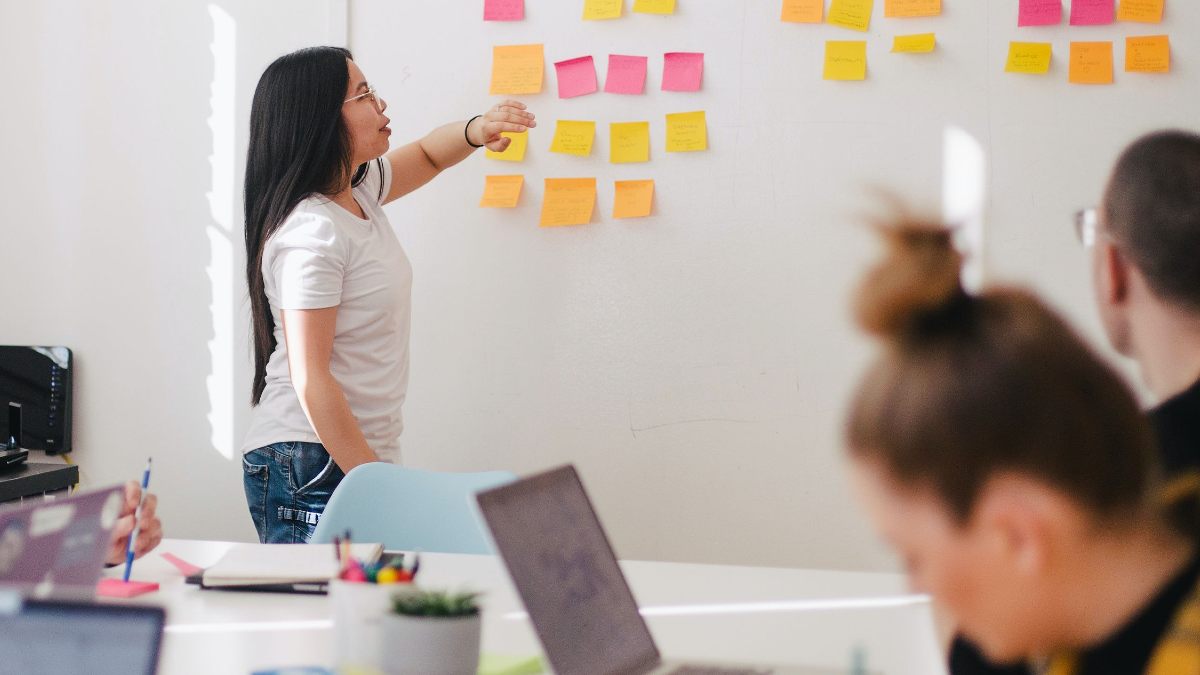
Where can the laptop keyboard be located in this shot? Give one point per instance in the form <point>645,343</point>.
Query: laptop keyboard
<point>703,670</point>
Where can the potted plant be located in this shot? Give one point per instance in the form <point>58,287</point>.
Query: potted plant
<point>431,632</point>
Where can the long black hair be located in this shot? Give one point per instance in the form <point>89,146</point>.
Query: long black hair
<point>299,146</point>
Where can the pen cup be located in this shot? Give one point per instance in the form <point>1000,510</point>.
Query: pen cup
<point>358,611</point>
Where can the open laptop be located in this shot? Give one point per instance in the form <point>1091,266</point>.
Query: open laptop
<point>56,547</point>
<point>564,568</point>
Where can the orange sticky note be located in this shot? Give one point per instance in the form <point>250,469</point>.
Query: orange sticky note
<point>803,11</point>
<point>904,9</point>
<point>517,69</point>
<point>1091,63</point>
<point>515,152</point>
<point>1145,11</point>
<point>654,6</point>
<point>1148,54</point>
<point>568,201</point>
<point>633,198</point>
<point>845,60</point>
<point>852,14</point>
<point>502,192</point>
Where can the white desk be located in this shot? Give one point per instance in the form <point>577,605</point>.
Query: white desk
<point>695,611</point>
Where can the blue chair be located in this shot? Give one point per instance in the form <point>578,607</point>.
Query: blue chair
<point>409,509</point>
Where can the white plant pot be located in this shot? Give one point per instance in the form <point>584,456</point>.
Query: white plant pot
<point>426,645</point>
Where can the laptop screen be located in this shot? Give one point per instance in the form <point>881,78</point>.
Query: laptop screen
<point>565,570</point>
<point>64,637</point>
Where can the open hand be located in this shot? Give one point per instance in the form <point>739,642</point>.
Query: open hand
<point>504,116</point>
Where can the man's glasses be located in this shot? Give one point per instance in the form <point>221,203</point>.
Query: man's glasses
<point>1085,226</point>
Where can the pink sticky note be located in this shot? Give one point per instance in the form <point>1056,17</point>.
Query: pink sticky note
<point>1091,12</point>
<point>626,74</point>
<point>1040,13</point>
<point>682,71</point>
<point>115,588</point>
<point>503,10</point>
<point>185,568</point>
<point>576,77</point>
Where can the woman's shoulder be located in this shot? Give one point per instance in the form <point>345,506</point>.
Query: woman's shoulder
<point>308,225</point>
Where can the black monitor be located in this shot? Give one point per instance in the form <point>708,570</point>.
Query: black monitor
<point>35,398</point>
<point>41,637</point>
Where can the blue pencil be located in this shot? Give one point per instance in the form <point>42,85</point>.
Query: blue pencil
<point>137,517</point>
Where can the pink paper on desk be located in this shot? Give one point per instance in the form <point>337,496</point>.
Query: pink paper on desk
<point>1040,13</point>
<point>503,10</point>
<point>682,71</point>
<point>115,588</point>
<point>576,77</point>
<point>185,567</point>
<point>626,74</point>
<point>1091,12</point>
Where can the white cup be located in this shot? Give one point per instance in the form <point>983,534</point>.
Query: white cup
<point>358,611</point>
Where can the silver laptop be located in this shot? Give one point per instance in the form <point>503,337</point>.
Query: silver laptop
<point>564,568</point>
<point>50,637</point>
<point>55,548</point>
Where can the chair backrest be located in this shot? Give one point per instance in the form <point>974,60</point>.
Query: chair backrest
<point>409,509</point>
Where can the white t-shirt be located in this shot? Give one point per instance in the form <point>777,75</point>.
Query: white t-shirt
<point>324,256</point>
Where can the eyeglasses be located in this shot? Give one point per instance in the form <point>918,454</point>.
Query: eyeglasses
<point>370,95</point>
<point>1085,226</point>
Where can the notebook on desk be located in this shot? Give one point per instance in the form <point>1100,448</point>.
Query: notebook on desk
<point>285,568</point>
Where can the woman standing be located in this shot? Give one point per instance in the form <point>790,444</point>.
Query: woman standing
<point>330,286</point>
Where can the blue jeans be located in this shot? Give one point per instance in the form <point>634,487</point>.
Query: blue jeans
<point>287,487</point>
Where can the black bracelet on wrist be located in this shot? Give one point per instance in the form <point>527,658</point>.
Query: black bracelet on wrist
<point>468,127</point>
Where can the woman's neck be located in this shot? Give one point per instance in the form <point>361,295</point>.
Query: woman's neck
<point>345,199</point>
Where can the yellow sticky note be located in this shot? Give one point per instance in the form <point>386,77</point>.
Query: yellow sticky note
<point>1091,63</point>
<point>803,11</point>
<point>629,142</point>
<point>1145,11</point>
<point>517,69</point>
<point>687,132</point>
<point>852,14</point>
<point>594,10</point>
<point>654,6</point>
<point>568,201</point>
<point>845,60</point>
<point>515,152</point>
<point>1028,57</point>
<point>904,9</point>
<point>914,44</point>
<point>633,198</point>
<point>501,191</point>
<point>1148,54</point>
<point>573,137</point>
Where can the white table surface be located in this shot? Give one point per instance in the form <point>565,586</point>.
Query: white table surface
<point>711,612</point>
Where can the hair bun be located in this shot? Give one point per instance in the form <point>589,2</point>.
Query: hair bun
<point>918,278</point>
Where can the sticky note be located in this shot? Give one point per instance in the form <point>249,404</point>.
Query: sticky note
<point>517,69</point>
<point>654,6</point>
<point>904,9</point>
<point>1040,13</point>
<point>1091,63</point>
<point>687,132</point>
<point>515,152</point>
<point>501,191</point>
<point>573,137</point>
<point>568,201</point>
<point>845,60</point>
<point>626,74</point>
<point>576,77</point>
<point>1148,54</point>
<point>852,14</point>
<point>116,588</point>
<point>803,11</point>
<point>1145,11</point>
<point>597,10</point>
<point>503,10</point>
<point>633,198</point>
<point>629,142</point>
<point>914,44</point>
<point>1091,12</point>
<point>1028,57</point>
<point>682,71</point>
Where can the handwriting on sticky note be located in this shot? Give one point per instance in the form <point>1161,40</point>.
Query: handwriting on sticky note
<point>598,10</point>
<point>633,198</point>
<point>1091,63</point>
<point>914,44</point>
<point>687,132</point>
<point>515,152</point>
<point>1032,58</point>
<point>517,69</point>
<point>576,77</point>
<point>626,74</point>
<point>654,6</point>
<point>682,71</point>
<point>1148,54</point>
<point>1145,11</point>
<point>903,9</point>
<point>852,14</point>
<point>845,60</point>
<point>573,137</point>
<point>629,142</point>
<point>503,10</point>
<point>501,192</point>
<point>568,201</point>
<point>1091,12</point>
<point>803,11</point>
<point>1039,13</point>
